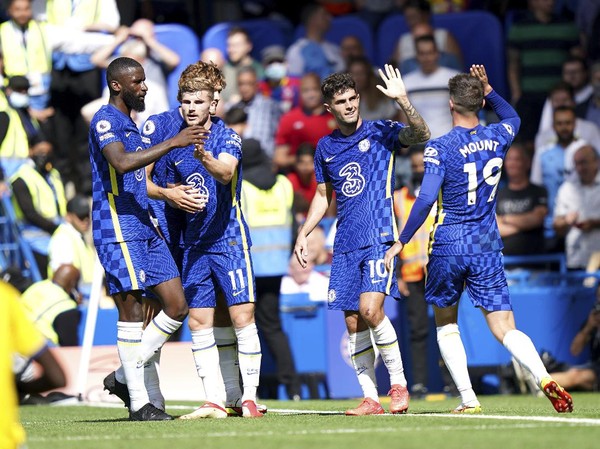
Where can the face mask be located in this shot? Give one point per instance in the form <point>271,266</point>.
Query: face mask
<point>18,100</point>
<point>41,162</point>
<point>275,71</point>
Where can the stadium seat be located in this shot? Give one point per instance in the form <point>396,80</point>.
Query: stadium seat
<point>184,41</point>
<point>479,34</point>
<point>263,33</point>
<point>15,250</point>
<point>343,26</point>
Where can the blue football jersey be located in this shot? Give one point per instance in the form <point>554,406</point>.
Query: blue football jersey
<point>470,163</point>
<point>221,225</point>
<point>120,202</point>
<point>360,168</point>
<point>157,129</point>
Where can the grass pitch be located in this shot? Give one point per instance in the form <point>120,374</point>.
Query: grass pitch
<point>508,422</point>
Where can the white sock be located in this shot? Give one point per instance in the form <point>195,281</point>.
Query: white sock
<point>387,344</point>
<point>362,354</point>
<point>455,358</point>
<point>156,334</point>
<point>521,347</point>
<point>129,337</point>
<point>206,357</point>
<point>228,360</point>
<point>152,381</point>
<point>249,358</point>
<point>120,375</point>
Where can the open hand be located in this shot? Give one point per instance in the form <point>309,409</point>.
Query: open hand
<point>394,86</point>
<point>478,71</point>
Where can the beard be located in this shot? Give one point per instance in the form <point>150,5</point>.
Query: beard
<point>133,101</point>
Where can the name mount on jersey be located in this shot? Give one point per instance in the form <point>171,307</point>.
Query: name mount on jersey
<point>480,145</point>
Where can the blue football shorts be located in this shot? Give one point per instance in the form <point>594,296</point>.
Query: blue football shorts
<point>359,271</point>
<point>482,275</point>
<point>136,265</point>
<point>205,273</point>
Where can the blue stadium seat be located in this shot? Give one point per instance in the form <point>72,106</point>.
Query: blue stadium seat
<point>350,25</point>
<point>184,41</point>
<point>479,34</point>
<point>263,33</point>
<point>14,250</point>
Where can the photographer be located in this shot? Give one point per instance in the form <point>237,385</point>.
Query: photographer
<point>585,377</point>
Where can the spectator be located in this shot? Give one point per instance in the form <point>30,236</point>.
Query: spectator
<point>562,95</point>
<point>575,74</point>
<point>427,87</point>
<point>39,201</point>
<point>305,280</point>
<point>19,337</point>
<point>158,60</point>
<point>411,279</point>
<point>351,47</point>
<point>52,306</point>
<point>75,82</point>
<point>303,180</point>
<point>374,105</point>
<point>577,212</point>
<point>239,47</point>
<point>14,145</point>
<point>521,206</point>
<point>306,123</point>
<point>284,89</point>
<point>68,245</point>
<point>538,44</point>
<point>417,14</point>
<point>591,107</point>
<point>374,11</point>
<point>263,112</point>
<point>214,55</point>
<point>267,201</point>
<point>313,53</point>
<point>585,377</point>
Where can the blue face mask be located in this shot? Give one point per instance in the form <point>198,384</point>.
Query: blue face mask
<point>18,100</point>
<point>275,71</point>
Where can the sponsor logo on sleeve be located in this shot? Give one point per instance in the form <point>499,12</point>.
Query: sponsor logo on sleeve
<point>149,127</point>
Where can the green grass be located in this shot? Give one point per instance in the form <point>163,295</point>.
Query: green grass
<point>508,422</point>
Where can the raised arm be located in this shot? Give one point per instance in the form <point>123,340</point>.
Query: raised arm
<point>417,130</point>
<point>501,107</point>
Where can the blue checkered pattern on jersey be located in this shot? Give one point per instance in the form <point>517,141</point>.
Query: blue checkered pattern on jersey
<point>360,168</point>
<point>221,225</point>
<point>157,129</point>
<point>120,202</point>
<point>470,161</point>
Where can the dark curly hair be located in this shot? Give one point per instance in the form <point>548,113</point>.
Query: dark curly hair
<point>337,83</point>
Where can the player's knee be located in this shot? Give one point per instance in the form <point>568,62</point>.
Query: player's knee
<point>177,312</point>
<point>447,330</point>
<point>372,315</point>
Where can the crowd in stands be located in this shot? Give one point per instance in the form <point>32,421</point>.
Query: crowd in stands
<point>51,62</point>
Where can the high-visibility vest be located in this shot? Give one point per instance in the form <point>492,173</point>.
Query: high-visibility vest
<point>43,302</point>
<point>48,196</point>
<point>269,217</point>
<point>83,254</point>
<point>58,12</point>
<point>414,254</point>
<point>36,57</point>
<point>15,144</point>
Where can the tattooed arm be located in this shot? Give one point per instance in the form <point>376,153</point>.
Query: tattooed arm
<point>417,130</point>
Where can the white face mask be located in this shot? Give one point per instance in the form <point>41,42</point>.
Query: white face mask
<point>18,100</point>
<point>275,71</point>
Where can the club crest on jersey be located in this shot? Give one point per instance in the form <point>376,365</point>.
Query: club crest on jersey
<point>103,126</point>
<point>149,127</point>
<point>364,145</point>
<point>331,295</point>
<point>142,276</point>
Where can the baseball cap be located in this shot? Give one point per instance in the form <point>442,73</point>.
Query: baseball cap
<point>273,53</point>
